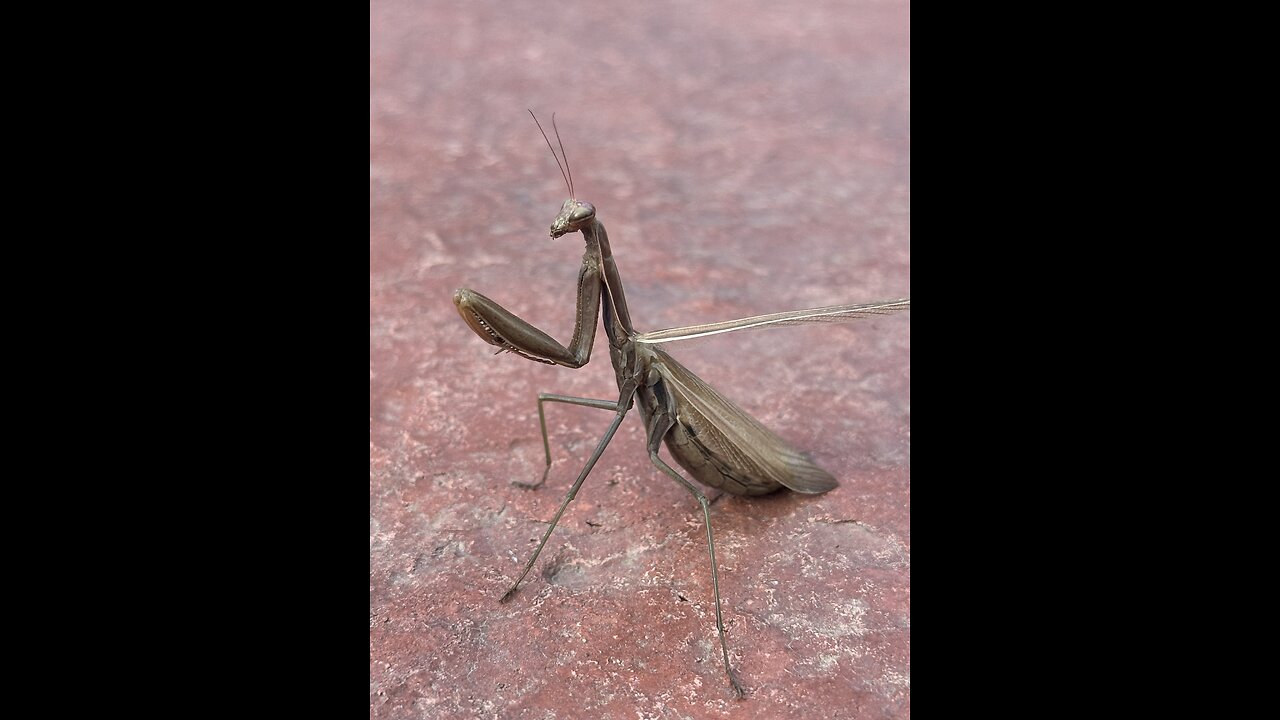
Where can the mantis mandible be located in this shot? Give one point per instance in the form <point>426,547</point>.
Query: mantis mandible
<point>716,442</point>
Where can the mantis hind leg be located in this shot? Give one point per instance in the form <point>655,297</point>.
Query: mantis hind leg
<point>657,429</point>
<point>542,422</point>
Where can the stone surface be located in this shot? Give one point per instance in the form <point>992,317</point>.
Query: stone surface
<point>746,157</point>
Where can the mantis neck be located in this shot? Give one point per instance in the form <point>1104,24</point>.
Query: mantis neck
<point>616,298</point>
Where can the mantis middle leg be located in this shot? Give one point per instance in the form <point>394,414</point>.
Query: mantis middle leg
<point>622,406</point>
<point>542,422</point>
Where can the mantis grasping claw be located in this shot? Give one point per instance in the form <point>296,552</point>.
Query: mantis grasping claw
<point>715,441</point>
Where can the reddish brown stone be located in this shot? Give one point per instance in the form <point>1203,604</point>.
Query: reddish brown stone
<point>745,158</point>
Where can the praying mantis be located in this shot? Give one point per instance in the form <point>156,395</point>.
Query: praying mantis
<point>713,440</point>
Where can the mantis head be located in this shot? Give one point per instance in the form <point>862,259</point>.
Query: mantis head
<point>574,215</point>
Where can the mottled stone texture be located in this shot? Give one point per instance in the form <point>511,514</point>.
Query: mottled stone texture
<point>747,157</point>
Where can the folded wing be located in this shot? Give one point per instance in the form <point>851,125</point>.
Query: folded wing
<point>733,441</point>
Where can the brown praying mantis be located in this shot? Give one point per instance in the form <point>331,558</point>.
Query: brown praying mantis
<point>715,441</point>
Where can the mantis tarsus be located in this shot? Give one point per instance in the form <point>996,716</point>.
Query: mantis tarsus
<point>715,441</point>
